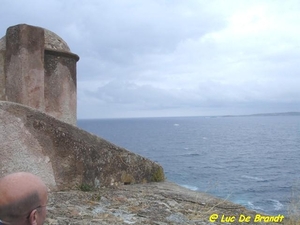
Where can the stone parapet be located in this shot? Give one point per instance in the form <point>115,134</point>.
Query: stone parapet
<point>64,156</point>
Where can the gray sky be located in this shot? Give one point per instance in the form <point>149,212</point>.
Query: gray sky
<point>175,57</point>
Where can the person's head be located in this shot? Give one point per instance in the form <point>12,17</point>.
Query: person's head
<point>23,199</point>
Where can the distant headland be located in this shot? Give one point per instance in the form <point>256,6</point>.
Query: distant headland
<point>267,114</point>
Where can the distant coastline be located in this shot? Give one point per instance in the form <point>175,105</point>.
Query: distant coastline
<point>217,116</point>
<point>267,114</point>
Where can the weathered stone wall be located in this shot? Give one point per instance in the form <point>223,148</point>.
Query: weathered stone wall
<point>24,66</point>
<point>64,156</point>
<point>61,98</point>
<point>37,69</point>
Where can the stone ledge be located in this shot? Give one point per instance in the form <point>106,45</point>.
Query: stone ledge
<point>153,203</point>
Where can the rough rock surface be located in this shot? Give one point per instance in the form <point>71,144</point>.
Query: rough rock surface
<point>64,156</point>
<point>153,203</point>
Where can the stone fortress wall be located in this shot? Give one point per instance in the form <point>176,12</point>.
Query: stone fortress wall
<point>38,130</point>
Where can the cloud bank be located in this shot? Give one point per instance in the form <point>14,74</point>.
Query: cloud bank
<point>175,58</point>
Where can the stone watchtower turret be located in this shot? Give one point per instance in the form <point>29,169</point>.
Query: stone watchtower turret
<point>37,69</point>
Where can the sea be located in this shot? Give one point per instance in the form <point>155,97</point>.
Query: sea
<point>251,160</point>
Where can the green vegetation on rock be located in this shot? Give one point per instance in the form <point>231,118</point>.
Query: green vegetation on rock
<point>85,187</point>
<point>158,175</point>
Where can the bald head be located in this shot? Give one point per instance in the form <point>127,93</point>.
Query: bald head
<point>19,194</point>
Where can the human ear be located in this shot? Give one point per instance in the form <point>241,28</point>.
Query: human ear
<point>33,217</point>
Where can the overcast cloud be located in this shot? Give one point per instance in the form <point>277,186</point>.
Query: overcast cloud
<point>175,58</point>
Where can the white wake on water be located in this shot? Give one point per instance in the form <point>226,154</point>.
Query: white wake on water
<point>193,188</point>
<point>252,178</point>
<point>254,207</point>
<point>277,204</point>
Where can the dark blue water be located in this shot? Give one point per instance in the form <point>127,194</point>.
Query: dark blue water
<point>253,161</point>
